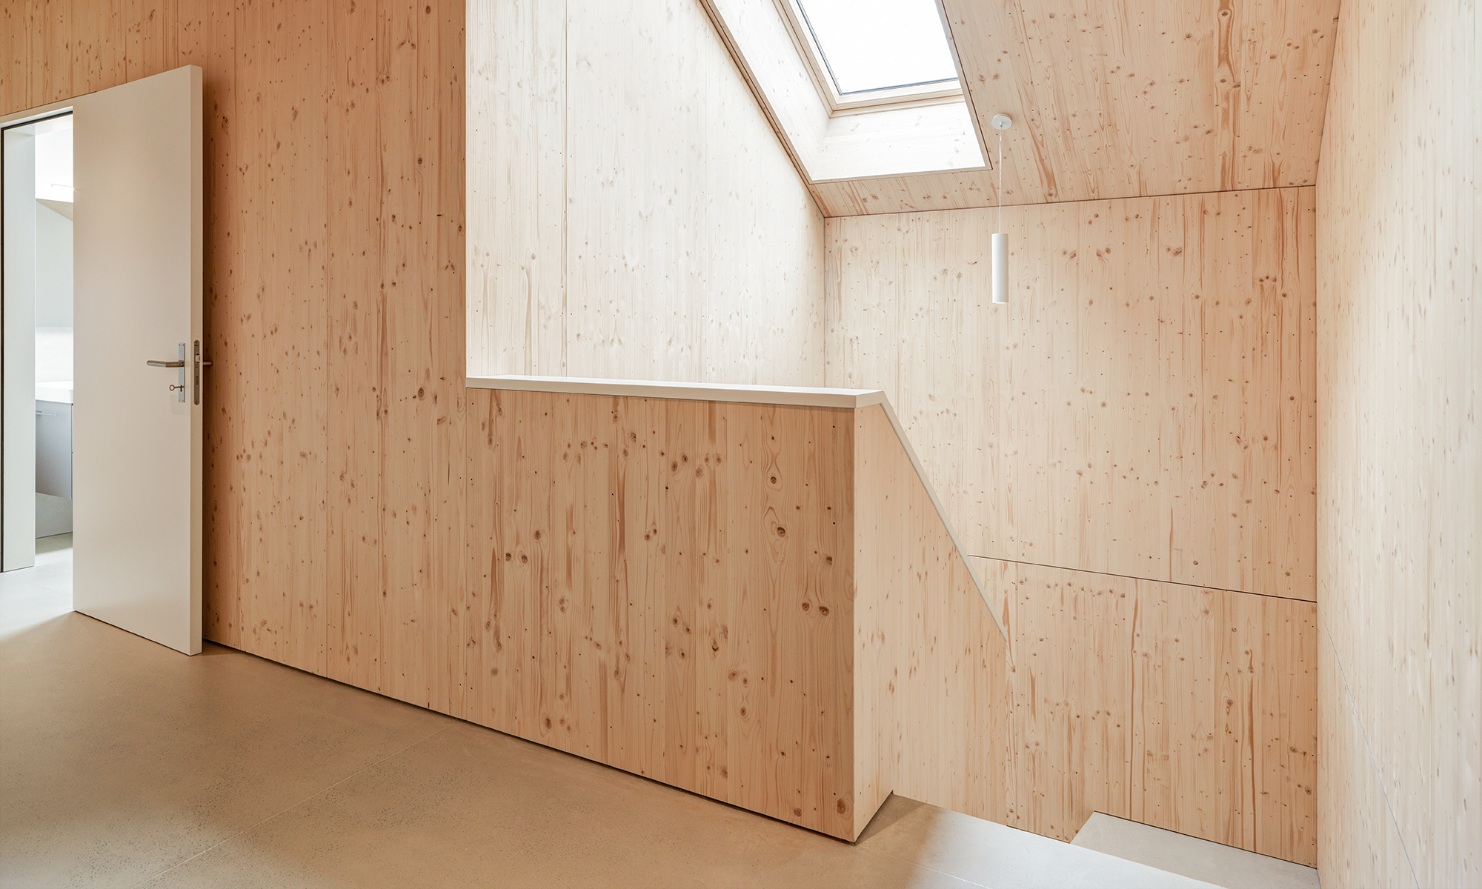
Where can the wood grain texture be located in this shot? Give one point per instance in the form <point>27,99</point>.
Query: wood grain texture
<point>666,586</point>
<point>1116,100</point>
<point>356,322</point>
<point>340,480</point>
<point>690,253</point>
<point>1400,430</point>
<point>1358,841</point>
<point>931,671</point>
<point>1109,101</point>
<point>1144,406</point>
<point>334,313</point>
<point>516,169</point>
<point>347,469</point>
<point>907,194</point>
<point>1189,709</point>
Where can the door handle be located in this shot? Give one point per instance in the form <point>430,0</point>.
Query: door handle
<point>179,366</point>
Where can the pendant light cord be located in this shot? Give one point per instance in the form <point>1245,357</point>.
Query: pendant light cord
<point>1001,180</point>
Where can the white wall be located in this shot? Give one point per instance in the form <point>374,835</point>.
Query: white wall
<point>53,268</point>
<point>53,257</point>
<point>18,525</point>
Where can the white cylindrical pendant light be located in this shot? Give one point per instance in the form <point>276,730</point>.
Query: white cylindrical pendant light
<point>1000,269</point>
<point>1001,122</point>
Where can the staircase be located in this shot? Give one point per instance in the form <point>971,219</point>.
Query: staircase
<point>985,854</point>
<point>1219,865</point>
<point>1107,853</point>
<point>753,594</point>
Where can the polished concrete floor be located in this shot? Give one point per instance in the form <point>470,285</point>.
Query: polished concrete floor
<point>123,763</point>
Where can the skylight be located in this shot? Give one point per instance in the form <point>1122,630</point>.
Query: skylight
<point>871,45</point>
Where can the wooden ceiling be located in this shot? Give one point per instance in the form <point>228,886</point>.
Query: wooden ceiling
<point>1120,98</point>
<point>1115,98</point>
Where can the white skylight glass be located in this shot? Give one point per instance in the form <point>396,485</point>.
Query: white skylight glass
<point>871,45</point>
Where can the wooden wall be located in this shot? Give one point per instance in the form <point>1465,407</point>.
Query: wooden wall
<point>1400,432</point>
<point>1113,100</point>
<point>345,535</point>
<point>632,214</point>
<point>666,586</point>
<point>1186,708</point>
<point>352,479</point>
<point>334,309</point>
<point>931,668</point>
<point>335,285</point>
<point>1144,404</point>
<point>1129,449</point>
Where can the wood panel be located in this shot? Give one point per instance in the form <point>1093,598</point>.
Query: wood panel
<point>1109,101</point>
<point>334,312</point>
<point>1358,841</point>
<point>1189,709</point>
<point>1144,406</point>
<point>345,462</point>
<point>516,157</point>
<point>665,586</point>
<point>1400,428</point>
<point>931,693</point>
<point>421,384</point>
<point>1118,100</point>
<point>337,470</point>
<point>907,194</point>
<point>691,253</point>
<point>354,180</point>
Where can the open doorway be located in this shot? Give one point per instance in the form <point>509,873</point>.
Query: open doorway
<point>102,393</point>
<point>36,213</point>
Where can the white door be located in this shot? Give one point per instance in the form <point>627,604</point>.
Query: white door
<point>136,435</point>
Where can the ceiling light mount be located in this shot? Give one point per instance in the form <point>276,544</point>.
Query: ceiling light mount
<point>1001,122</point>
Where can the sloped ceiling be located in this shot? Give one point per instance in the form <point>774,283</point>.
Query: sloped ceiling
<point>1119,98</point>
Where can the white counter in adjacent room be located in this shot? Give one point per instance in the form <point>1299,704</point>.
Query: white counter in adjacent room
<point>60,393</point>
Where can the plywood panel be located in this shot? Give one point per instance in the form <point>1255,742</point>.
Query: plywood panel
<point>336,434</point>
<point>931,667</point>
<point>907,194</point>
<point>341,453</point>
<point>422,396</point>
<point>1185,708</point>
<point>665,586</point>
<point>280,339</point>
<point>516,157</point>
<point>1153,98</point>
<point>332,175</point>
<point>354,180</point>
<point>1145,404</point>
<point>1358,841</point>
<point>1400,423</point>
<point>691,253</point>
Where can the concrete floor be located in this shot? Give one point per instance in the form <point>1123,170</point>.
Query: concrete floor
<point>123,763</point>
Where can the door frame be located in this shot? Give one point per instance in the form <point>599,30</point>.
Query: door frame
<point>9,478</point>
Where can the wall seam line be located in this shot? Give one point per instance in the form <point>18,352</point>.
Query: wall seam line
<point>1126,197</point>
<point>1198,586</point>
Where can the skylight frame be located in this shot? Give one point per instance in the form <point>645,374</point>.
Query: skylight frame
<point>840,103</point>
